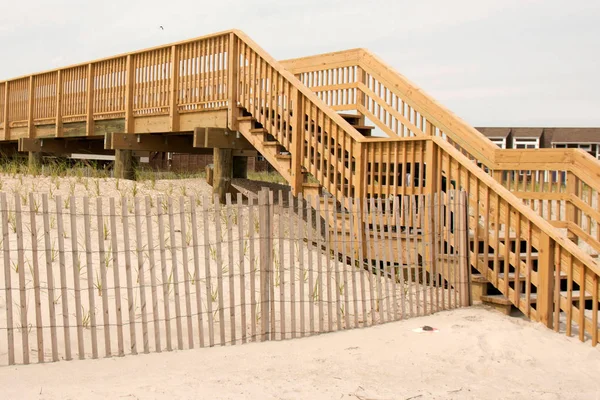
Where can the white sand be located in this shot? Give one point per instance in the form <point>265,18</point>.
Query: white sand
<point>477,354</point>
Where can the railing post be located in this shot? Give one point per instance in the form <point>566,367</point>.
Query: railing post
<point>233,65</point>
<point>361,78</point>
<point>573,214</point>
<point>431,167</point>
<point>463,250</point>
<point>297,143</point>
<point>6,120</point>
<point>129,86</point>
<point>30,127</point>
<point>89,126</point>
<point>59,90</point>
<point>545,288</point>
<point>266,247</point>
<point>174,90</point>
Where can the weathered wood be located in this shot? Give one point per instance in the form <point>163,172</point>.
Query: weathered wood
<point>187,277</point>
<point>231,263</point>
<point>36,279</point>
<point>196,255</point>
<point>207,271</point>
<point>100,225</point>
<point>8,280</point>
<point>124,164</point>
<point>240,167</point>
<point>128,275</point>
<point>141,279</point>
<point>265,262</point>
<point>114,243</point>
<point>223,173</point>
<point>76,277</point>
<point>175,274</point>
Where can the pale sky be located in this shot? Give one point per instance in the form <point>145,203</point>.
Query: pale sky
<point>494,63</point>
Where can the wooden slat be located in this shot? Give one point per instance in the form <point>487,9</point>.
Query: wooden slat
<point>36,279</point>
<point>76,277</point>
<point>175,274</point>
<point>186,272</point>
<point>196,253</point>
<point>231,263</point>
<point>141,276</point>
<point>7,281</point>
<point>128,275</point>
<point>114,242</point>
<point>104,281</point>
<point>207,271</point>
<point>152,268</point>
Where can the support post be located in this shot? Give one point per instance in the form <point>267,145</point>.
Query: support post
<point>240,167</point>
<point>174,91</point>
<point>59,90</point>
<point>431,167</point>
<point>34,162</point>
<point>124,164</point>
<point>6,108</point>
<point>233,63</point>
<point>572,212</point>
<point>297,143</point>
<point>545,288</point>
<point>266,248</point>
<point>223,172</point>
<point>129,86</point>
<point>463,250</point>
<point>361,77</point>
<point>30,125</point>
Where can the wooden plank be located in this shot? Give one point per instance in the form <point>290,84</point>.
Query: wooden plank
<point>366,217</point>
<point>231,263</point>
<point>173,90</point>
<point>196,252</point>
<point>353,266</point>
<point>319,282</point>
<point>186,272</point>
<point>76,277</point>
<point>328,285</point>
<point>311,287</point>
<point>141,278</point>
<point>301,271</point>
<point>211,332</point>
<point>7,280</point>
<point>114,243</point>
<point>424,243</point>
<point>264,262</point>
<point>271,245</point>
<point>344,251</point>
<point>175,274</point>
<point>545,294</point>
<point>377,257</point>
<point>104,280</point>
<point>49,277</point>
<point>358,218</point>
<point>36,279</point>
<point>252,267</point>
<point>409,270</point>
<point>219,260</point>
<point>22,284</point>
<point>392,274</point>
<point>128,274</point>
<point>241,266</point>
<point>152,266</point>
<point>281,240</point>
<point>415,244</point>
<point>397,215</point>
<point>293,242</point>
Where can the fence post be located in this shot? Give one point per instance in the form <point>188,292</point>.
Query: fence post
<point>266,246</point>
<point>462,232</point>
<point>545,288</point>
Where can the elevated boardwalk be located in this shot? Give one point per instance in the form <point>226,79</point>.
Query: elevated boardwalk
<point>170,97</point>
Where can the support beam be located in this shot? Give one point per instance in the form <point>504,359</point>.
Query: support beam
<point>124,164</point>
<point>220,138</point>
<point>223,172</point>
<point>240,167</point>
<point>63,146</point>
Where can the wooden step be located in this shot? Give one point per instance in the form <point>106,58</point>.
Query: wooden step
<point>246,118</point>
<point>283,156</point>
<point>258,130</point>
<point>272,143</point>
<point>498,302</point>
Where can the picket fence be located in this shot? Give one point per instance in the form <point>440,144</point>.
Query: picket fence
<point>104,277</point>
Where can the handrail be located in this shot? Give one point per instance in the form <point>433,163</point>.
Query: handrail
<point>401,110</point>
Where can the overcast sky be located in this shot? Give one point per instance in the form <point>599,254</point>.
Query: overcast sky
<point>494,63</point>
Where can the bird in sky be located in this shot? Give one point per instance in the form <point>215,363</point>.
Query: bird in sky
<point>161,27</point>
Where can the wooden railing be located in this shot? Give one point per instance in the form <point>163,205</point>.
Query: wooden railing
<point>426,149</point>
<point>562,185</point>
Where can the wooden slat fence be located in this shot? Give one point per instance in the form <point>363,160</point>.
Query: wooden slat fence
<point>88,278</point>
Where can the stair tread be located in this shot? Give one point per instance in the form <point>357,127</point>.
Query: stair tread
<point>503,300</point>
<point>283,156</point>
<point>258,130</point>
<point>270,143</point>
<point>247,118</point>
